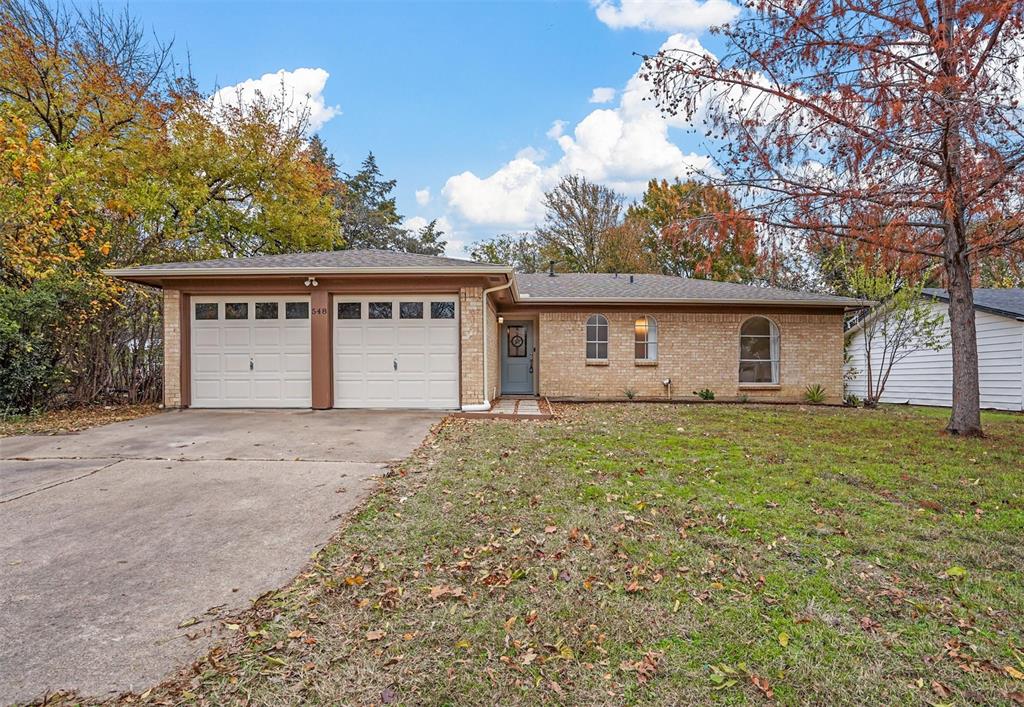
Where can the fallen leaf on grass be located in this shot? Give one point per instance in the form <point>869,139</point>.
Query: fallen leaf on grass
<point>551,529</point>
<point>1013,672</point>
<point>955,572</point>
<point>441,591</point>
<point>645,668</point>
<point>763,685</point>
<point>869,624</point>
<point>783,639</point>
<point>375,635</point>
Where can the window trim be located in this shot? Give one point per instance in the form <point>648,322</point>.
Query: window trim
<point>599,321</point>
<point>774,353</point>
<point>649,343</point>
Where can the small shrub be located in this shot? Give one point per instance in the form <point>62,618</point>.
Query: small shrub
<point>852,400</point>
<point>744,398</point>
<point>629,393</point>
<point>814,394</point>
<point>705,394</point>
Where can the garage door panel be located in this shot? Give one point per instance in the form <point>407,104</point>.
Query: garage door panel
<point>279,349</point>
<point>442,336</point>
<point>412,336</point>
<point>266,389</point>
<point>205,337</point>
<point>380,391</point>
<point>295,363</point>
<point>366,350</point>
<point>297,337</point>
<point>378,363</point>
<point>267,336</point>
<point>348,336</point>
<point>236,390</point>
<point>234,363</point>
<point>412,364</point>
<point>236,336</point>
<point>379,335</point>
<point>206,363</point>
<point>267,365</point>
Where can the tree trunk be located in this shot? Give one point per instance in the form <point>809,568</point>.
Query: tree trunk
<point>965,419</point>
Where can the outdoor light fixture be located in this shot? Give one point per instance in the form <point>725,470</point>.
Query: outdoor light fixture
<point>501,320</point>
<point>311,281</point>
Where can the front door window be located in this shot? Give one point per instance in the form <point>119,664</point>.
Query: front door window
<point>516,341</point>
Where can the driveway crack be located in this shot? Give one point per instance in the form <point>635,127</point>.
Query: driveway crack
<point>64,481</point>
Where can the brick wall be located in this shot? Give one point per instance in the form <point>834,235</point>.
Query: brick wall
<point>172,348</point>
<point>472,348</point>
<point>695,349</point>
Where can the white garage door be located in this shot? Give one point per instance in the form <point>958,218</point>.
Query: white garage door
<point>396,351</point>
<point>251,352</point>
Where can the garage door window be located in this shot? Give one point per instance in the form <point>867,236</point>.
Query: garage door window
<point>266,310</point>
<point>442,310</point>
<point>206,311</point>
<point>236,310</point>
<point>380,310</point>
<point>410,310</point>
<point>296,310</point>
<point>350,310</point>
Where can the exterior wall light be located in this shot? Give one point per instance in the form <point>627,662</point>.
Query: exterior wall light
<point>311,281</point>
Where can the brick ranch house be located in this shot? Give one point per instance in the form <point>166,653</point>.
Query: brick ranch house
<point>378,329</point>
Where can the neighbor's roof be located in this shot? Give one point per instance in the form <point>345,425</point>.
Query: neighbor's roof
<point>600,287</point>
<point>1007,301</point>
<point>333,261</point>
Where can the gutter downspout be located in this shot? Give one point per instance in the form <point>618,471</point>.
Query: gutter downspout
<point>486,404</point>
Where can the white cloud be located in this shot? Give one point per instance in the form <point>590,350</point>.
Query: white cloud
<point>531,153</point>
<point>602,94</point>
<point>622,147</point>
<point>423,196</point>
<point>302,88</point>
<point>664,15</point>
<point>556,129</point>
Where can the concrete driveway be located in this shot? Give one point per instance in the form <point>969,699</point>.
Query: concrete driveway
<point>112,538</point>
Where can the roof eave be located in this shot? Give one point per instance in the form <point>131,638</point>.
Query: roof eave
<point>692,300</point>
<point>156,273</point>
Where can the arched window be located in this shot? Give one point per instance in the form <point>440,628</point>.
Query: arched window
<point>645,338</point>
<point>597,337</point>
<point>759,351</point>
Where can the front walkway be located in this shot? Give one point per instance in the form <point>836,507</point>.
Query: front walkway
<point>514,409</point>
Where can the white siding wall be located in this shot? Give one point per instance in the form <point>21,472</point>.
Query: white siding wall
<point>926,377</point>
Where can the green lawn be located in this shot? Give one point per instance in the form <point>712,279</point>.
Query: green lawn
<point>662,554</point>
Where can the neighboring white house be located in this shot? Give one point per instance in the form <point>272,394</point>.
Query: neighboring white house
<point>926,377</point>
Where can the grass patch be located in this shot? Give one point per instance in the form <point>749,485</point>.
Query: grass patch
<point>72,419</point>
<point>660,554</point>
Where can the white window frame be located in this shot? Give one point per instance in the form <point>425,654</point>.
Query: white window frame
<point>599,322</point>
<point>648,337</point>
<point>773,351</point>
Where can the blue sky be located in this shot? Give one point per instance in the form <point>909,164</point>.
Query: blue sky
<point>459,100</point>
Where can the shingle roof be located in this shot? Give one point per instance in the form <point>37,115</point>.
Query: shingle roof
<point>334,259</point>
<point>1007,301</point>
<point>595,287</point>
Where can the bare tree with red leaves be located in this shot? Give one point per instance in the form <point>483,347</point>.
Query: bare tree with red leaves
<point>896,124</point>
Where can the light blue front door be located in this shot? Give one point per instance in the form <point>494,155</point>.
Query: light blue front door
<point>517,352</point>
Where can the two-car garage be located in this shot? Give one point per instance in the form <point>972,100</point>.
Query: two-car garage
<point>389,351</point>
